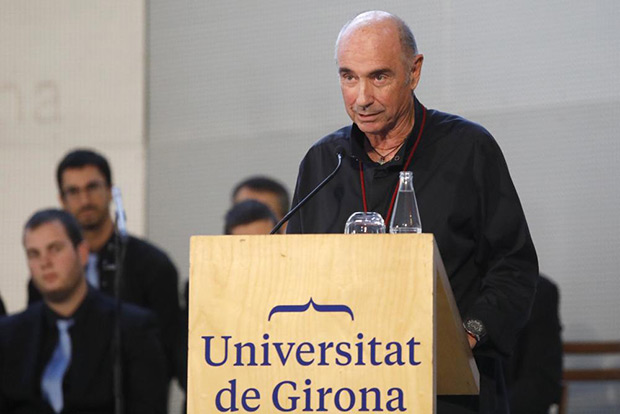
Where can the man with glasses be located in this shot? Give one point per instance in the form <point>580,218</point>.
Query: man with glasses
<point>149,278</point>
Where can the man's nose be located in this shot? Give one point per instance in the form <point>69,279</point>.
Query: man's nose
<point>46,260</point>
<point>364,95</point>
<point>83,197</point>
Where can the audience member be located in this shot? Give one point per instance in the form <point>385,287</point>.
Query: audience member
<point>149,278</point>
<point>246,217</point>
<point>57,355</point>
<point>249,217</point>
<point>267,191</point>
<point>534,374</point>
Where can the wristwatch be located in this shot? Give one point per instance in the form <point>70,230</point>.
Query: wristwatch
<point>475,328</point>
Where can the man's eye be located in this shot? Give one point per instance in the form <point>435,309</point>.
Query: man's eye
<point>92,187</point>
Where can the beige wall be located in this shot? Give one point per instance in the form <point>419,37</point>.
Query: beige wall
<point>71,74</point>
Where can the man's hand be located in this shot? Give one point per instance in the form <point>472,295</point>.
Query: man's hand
<point>472,340</point>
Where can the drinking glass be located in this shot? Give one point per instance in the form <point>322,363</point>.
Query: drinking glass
<point>364,223</point>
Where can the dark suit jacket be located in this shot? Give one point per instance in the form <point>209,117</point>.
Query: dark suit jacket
<point>534,375</point>
<point>88,385</point>
<point>149,281</point>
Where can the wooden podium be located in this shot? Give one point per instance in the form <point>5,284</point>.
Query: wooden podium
<point>323,323</point>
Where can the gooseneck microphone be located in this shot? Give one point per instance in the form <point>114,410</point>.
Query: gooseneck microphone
<point>340,152</point>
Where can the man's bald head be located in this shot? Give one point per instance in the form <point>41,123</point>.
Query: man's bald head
<point>381,20</point>
<point>379,69</point>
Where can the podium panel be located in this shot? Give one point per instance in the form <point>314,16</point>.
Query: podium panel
<point>325,323</point>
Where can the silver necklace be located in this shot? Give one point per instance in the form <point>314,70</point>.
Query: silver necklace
<point>383,157</point>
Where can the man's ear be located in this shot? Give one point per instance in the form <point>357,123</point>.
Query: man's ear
<point>416,71</point>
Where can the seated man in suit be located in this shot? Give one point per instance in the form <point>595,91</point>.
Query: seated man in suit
<point>84,180</point>
<point>57,355</point>
<point>266,190</point>
<point>249,217</point>
<point>244,218</point>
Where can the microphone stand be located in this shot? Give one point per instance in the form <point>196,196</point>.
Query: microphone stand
<point>120,248</point>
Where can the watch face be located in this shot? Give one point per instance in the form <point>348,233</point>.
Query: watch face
<point>475,327</point>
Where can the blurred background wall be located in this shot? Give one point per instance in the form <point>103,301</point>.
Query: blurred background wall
<point>240,87</point>
<point>72,73</point>
<point>243,87</point>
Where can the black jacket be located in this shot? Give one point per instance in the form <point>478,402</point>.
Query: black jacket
<point>534,374</point>
<point>88,387</point>
<point>149,280</point>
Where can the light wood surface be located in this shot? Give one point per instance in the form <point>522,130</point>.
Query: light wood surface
<point>387,281</point>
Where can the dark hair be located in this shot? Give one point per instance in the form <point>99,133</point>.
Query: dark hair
<point>80,158</point>
<point>246,212</point>
<point>268,185</point>
<point>73,229</point>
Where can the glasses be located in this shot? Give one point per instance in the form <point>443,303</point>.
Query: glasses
<point>90,189</point>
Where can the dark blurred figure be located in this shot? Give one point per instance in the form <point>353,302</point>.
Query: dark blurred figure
<point>2,308</point>
<point>246,217</point>
<point>57,355</point>
<point>266,190</point>
<point>249,217</point>
<point>534,375</point>
<point>150,279</point>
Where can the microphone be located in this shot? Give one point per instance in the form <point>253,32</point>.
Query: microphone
<point>341,153</point>
<point>121,220</point>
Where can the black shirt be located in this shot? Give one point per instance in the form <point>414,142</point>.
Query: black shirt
<point>27,340</point>
<point>466,199</point>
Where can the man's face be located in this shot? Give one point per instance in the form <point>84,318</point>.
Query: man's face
<point>375,80</point>
<point>267,198</point>
<point>86,195</point>
<point>56,267</point>
<point>263,226</point>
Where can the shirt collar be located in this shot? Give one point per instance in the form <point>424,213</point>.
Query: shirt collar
<point>51,317</point>
<point>357,141</point>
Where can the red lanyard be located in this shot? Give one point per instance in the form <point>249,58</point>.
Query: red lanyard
<point>409,158</point>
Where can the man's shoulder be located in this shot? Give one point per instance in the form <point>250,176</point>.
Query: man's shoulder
<point>456,126</point>
<point>136,316</point>
<point>151,254</point>
<point>332,141</point>
<point>131,315</point>
<point>20,320</point>
<point>141,245</point>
